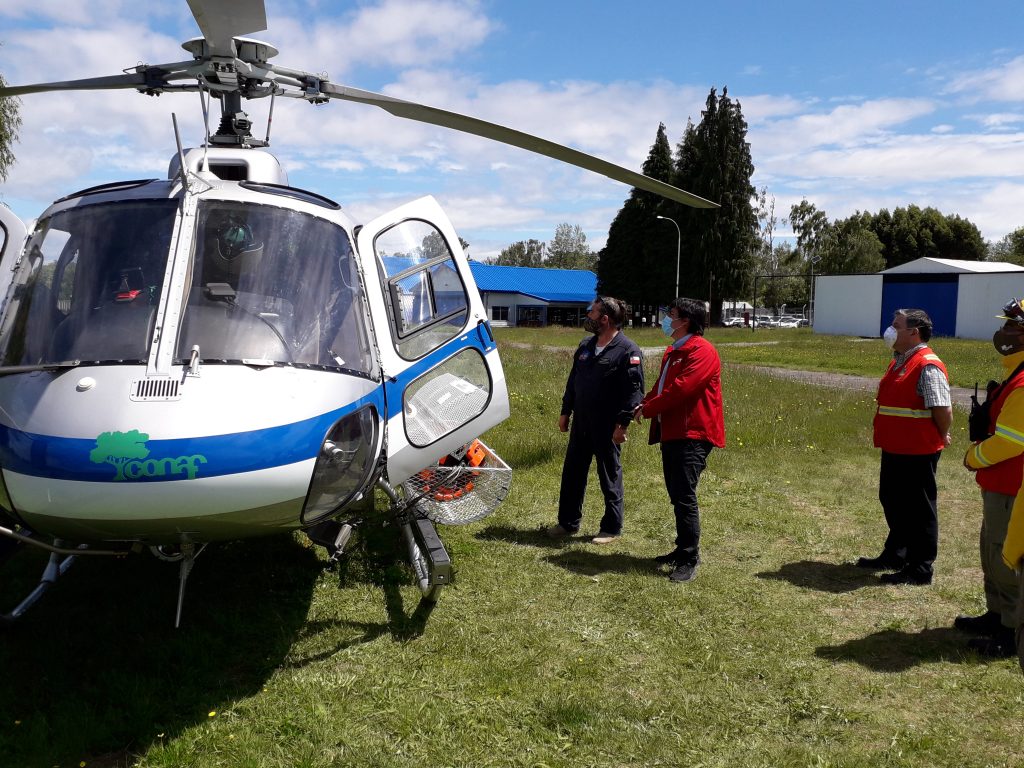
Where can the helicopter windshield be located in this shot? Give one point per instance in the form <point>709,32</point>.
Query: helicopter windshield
<point>89,284</point>
<point>273,284</point>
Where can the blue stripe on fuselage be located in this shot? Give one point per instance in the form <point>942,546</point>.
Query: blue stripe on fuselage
<point>64,458</point>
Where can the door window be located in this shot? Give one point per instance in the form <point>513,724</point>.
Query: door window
<point>446,397</point>
<point>429,305</point>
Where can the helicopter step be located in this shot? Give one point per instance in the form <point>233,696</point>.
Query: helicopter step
<point>332,535</point>
<point>428,557</point>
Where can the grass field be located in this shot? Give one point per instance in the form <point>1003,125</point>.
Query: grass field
<point>779,654</point>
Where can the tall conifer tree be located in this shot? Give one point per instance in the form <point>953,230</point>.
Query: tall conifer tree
<point>714,161</point>
<point>631,263</point>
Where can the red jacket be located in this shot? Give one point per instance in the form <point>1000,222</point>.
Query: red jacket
<point>690,403</point>
<point>903,424</point>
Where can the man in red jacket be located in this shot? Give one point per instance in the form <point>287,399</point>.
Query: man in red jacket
<point>685,409</point>
<point>911,427</point>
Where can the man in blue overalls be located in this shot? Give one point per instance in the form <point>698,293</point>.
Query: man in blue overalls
<point>605,384</point>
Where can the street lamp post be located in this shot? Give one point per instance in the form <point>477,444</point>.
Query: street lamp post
<point>679,248</point>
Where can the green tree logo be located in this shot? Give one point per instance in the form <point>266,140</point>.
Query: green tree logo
<point>118,448</point>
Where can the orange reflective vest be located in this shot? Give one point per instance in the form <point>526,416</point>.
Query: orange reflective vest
<point>902,422</point>
<point>1004,477</point>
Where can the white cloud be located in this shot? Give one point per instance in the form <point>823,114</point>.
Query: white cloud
<point>1001,83</point>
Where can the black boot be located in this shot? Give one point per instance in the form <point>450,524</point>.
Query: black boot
<point>988,623</point>
<point>884,562</point>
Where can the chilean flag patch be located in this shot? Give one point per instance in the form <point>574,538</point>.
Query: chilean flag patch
<point>634,360</point>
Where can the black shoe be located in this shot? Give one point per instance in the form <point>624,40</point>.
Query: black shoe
<point>884,562</point>
<point>684,572</point>
<point>1000,646</point>
<point>907,576</point>
<point>988,623</point>
<point>667,558</point>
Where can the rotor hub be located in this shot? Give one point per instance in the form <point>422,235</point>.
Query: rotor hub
<point>246,49</point>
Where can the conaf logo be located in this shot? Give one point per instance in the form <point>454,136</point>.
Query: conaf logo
<point>128,454</point>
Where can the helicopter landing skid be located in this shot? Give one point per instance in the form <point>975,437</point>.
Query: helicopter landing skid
<point>56,567</point>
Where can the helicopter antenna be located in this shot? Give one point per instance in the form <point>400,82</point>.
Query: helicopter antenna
<point>181,152</point>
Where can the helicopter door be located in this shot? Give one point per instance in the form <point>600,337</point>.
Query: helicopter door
<point>12,236</point>
<point>443,381</point>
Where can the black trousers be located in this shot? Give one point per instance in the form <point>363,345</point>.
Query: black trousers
<point>682,462</point>
<point>585,445</point>
<point>906,489</point>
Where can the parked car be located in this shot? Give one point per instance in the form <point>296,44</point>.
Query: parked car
<point>765,321</point>
<point>733,322</point>
<point>788,321</point>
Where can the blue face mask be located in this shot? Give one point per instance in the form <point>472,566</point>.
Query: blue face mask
<point>666,325</point>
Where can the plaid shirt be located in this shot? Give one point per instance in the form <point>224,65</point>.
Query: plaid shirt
<point>932,385</point>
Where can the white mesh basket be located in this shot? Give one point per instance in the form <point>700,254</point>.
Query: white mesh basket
<point>458,495</point>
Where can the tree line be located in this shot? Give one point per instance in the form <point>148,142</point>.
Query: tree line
<point>720,253</point>
<point>568,250</point>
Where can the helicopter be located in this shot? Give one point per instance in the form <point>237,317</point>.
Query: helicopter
<point>219,355</point>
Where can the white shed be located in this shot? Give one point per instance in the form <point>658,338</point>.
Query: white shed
<point>962,297</point>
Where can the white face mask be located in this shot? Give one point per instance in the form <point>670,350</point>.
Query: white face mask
<point>889,337</point>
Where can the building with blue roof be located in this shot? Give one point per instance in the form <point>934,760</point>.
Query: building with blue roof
<point>534,296</point>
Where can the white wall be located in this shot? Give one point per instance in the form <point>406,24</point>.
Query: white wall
<point>980,298</point>
<point>848,304</point>
<point>510,300</point>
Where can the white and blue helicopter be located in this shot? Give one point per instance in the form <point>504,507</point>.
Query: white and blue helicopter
<point>219,355</point>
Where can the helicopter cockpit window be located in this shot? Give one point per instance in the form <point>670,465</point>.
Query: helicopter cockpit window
<point>428,300</point>
<point>273,284</point>
<point>89,284</point>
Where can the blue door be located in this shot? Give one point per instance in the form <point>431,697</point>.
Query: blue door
<point>935,294</point>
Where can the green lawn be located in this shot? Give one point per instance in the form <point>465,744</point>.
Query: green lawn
<point>969,360</point>
<point>779,654</point>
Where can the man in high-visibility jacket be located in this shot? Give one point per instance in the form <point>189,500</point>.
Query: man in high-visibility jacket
<point>911,427</point>
<point>999,464</point>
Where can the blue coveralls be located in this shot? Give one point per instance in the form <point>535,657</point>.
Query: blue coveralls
<point>602,391</point>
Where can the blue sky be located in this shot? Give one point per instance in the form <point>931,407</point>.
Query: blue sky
<point>855,106</point>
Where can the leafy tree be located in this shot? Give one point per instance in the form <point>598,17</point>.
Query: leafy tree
<point>913,233</point>
<point>525,253</point>
<point>779,280</point>
<point>767,221</point>
<point>10,122</point>
<point>1010,248</point>
<point>569,249</point>
<point>434,245</point>
<point>853,248</point>
<point>813,230</point>
<point>118,448</point>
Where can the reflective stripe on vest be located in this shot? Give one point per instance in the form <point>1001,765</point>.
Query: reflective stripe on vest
<point>908,413</point>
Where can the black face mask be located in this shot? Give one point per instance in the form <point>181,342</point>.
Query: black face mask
<point>591,326</point>
<point>1007,343</point>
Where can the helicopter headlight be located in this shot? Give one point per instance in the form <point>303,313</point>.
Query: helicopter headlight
<point>343,464</point>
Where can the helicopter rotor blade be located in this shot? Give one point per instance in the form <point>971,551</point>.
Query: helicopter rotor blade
<point>222,20</point>
<point>434,116</point>
<point>135,80</point>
